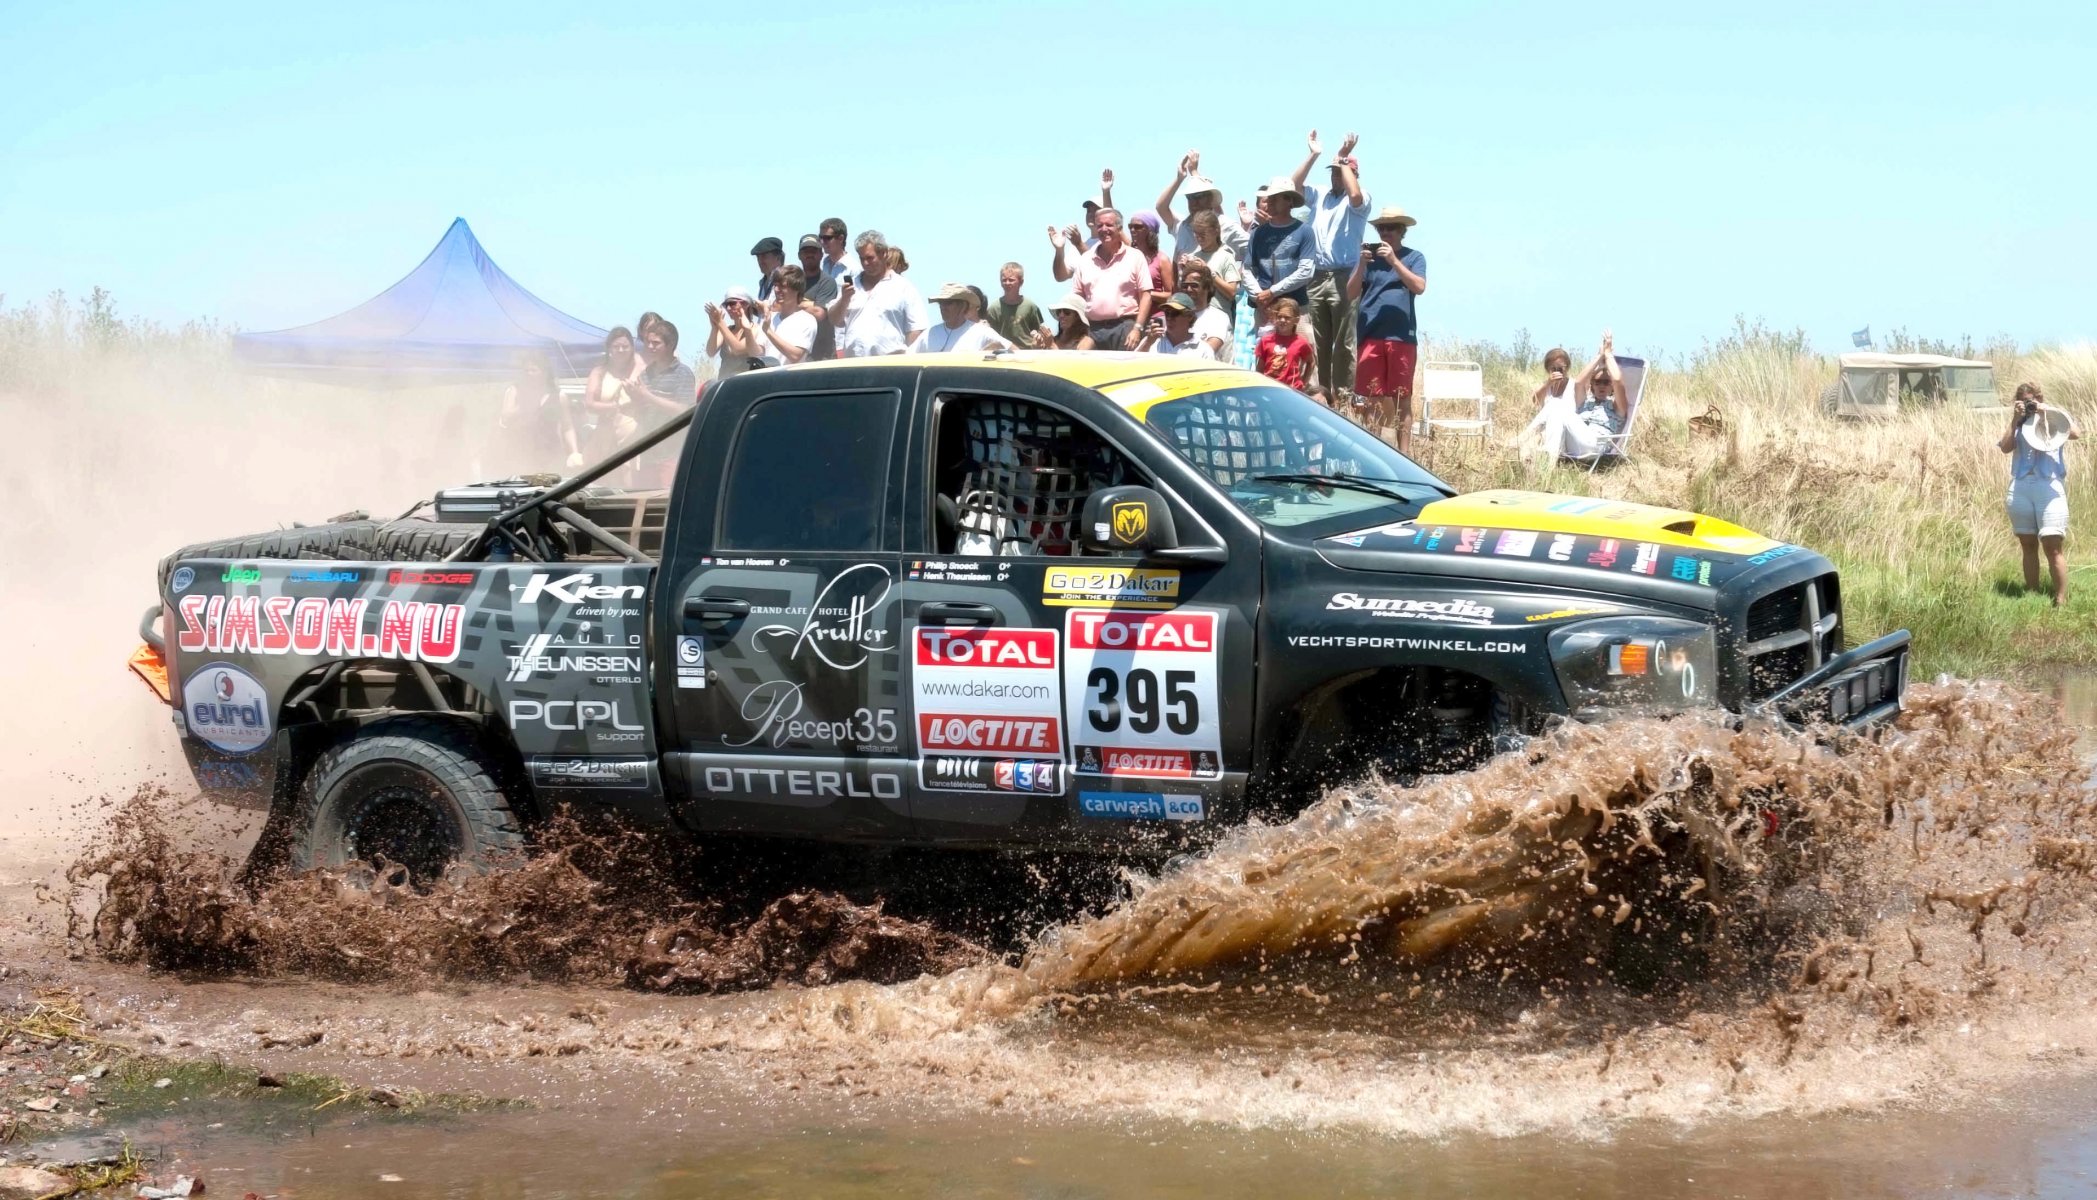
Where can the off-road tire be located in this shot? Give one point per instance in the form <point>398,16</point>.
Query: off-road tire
<point>340,541</point>
<point>369,788</point>
<point>1831,399</point>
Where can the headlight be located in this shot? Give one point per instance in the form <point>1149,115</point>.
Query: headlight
<point>1653,664</point>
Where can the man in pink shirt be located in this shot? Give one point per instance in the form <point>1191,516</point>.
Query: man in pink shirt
<point>1113,281</point>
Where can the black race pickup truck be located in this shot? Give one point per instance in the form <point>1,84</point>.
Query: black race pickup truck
<point>1031,600</point>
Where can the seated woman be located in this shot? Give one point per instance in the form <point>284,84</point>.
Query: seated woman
<point>1575,416</point>
<point>1072,330</point>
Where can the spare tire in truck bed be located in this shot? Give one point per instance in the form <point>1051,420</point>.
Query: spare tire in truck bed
<point>342,541</point>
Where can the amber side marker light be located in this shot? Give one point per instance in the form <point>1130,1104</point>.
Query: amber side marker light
<point>147,664</point>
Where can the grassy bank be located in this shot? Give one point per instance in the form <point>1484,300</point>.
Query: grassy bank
<point>1910,509</point>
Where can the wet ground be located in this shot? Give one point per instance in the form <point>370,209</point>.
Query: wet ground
<point>1309,1082</point>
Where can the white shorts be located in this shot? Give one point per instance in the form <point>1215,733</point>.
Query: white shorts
<point>2038,507</point>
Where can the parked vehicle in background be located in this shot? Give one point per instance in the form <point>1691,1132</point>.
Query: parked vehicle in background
<point>1872,384</point>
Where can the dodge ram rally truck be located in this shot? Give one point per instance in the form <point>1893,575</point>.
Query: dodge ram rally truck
<point>1068,601</point>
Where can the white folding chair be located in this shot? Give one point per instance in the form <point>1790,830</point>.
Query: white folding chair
<point>1617,445</point>
<point>1450,384</point>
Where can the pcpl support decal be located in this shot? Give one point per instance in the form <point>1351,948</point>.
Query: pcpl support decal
<point>1142,691</point>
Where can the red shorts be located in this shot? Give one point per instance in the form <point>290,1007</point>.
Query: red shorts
<point>1385,368</point>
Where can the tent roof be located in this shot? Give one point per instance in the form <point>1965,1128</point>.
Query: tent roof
<point>1910,361</point>
<point>456,316</point>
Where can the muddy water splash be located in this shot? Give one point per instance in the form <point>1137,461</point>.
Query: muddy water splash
<point>586,907</point>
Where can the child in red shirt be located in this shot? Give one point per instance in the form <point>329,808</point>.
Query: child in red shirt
<point>1283,354</point>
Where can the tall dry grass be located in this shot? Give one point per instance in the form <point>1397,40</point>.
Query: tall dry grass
<point>1910,509</point>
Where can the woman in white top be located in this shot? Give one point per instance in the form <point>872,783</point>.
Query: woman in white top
<point>734,336</point>
<point>1575,417</point>
<point>605,402</point>
<point>1212,325</point>
<point>958,331</point>
<point>2037,443</point>
<point>788,333</point>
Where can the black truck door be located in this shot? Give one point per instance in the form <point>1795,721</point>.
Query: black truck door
<point>780,620</point>
<point>1058,695</point>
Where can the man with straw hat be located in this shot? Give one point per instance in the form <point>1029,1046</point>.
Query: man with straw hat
<point>958,331</point>
<point>1387,276</point>
<point>1202,196</point>
<point>2036,442</point>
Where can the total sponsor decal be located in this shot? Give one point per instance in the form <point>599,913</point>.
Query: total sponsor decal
<point>409,576</point>
<point>227,709</point>
<point>417,630</point>
<point>1140,806</point>
<point>541,655</point>
<point>602,720</point>
<point>988,691</point>
<point>1142,692</point>
<point>1340,641</point>
<point>1458,611</point>
<point>1111,587</point>
<point>324,575</point>
<point>572,772</point>
<point>955,773</point>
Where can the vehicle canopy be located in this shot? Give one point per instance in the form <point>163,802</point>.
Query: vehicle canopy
<point>1875,383</point>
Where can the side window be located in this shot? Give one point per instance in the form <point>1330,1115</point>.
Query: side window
<point>810,473</point>
<point>1011,477</point>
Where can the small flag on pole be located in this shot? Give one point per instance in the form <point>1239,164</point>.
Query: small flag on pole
<point>1862,338</point>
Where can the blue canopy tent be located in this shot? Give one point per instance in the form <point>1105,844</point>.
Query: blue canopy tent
<point>455,318</point>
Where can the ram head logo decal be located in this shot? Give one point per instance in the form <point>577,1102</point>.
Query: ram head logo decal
<point>1131,522</point>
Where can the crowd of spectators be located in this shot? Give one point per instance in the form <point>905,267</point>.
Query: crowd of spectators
<point>1323,302</point>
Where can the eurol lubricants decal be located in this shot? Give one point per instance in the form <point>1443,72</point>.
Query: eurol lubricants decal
<point>227,709</point>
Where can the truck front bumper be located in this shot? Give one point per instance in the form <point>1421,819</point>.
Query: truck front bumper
<point>1855,690</point>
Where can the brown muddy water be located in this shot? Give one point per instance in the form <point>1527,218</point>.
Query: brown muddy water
<point>1445,990</point>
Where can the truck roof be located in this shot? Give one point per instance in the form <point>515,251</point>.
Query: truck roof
<point>1101,370</point>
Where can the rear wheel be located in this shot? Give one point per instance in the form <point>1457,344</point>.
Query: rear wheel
<point>1831,398</point>
<point>411,791</point>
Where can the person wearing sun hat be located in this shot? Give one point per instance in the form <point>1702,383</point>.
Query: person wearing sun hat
<point>1278,263</point>
<point>2037,442</point>
<point>1202,196</point>
<point>1387,277</point>
<point>1072,332</point>
<point>958,330</point>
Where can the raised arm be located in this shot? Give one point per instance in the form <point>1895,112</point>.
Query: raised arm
<point>1416,283</point>
<point>1187,166</point>
<point>1106,188</point>
<point>1058,268</point>
<point>1349,182</point>
<point>1310,159</point>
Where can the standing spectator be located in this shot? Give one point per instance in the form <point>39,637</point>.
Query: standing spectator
<point>1014,316</point>
<point>1218,259</point>
<point>1387,276</point>
<point>2037,442</point>
<point>1339,222</point>
<point>1279,266</point>
<point>1203,196</point>
<point>1143,235</point>
<point>831,233</point>
<point>1283,353</point>
<point>1211,324</point>
<point>877,311</point>
<point>1071,332</point>
<point>1114,282</point>
<point>789,329</point>
<point>898,261</point>
<point>608,407</point>
<point>821,293</point>
<point>647,321</point>
<point>664,388</point>
<point>1073,244</point>
<point>535,421</point>
<point>771,256</point>
<point>958,330</point>
<point>733,340</point>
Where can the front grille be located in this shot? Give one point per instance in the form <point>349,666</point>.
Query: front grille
<point>1790,632</point>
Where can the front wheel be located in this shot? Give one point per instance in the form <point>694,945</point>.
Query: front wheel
<point>413,792</point>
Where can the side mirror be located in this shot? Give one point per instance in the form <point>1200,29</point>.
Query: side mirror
<point>1128,520</point>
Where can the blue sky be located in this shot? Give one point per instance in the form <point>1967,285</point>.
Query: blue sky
<point>1658,168</point>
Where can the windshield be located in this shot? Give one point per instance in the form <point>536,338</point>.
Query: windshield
<point>1288,460</point>
<point>1975,384</point>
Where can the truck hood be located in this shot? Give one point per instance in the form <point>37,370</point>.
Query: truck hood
<point>1567,541</point>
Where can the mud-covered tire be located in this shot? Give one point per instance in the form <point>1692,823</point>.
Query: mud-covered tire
<point>1831,399</point>
<point>340,541</point>
<point>413,790</point>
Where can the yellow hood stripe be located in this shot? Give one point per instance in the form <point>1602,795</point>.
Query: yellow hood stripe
<point>1547,513</point>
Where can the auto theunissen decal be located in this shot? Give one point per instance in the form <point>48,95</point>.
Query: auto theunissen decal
<point>988,692</point>
<point>1142,690</point>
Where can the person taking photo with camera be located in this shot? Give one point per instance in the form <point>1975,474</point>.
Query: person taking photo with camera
<point>2036,442</point>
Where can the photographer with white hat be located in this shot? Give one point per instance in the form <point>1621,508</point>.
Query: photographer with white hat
<point>2037,442</point>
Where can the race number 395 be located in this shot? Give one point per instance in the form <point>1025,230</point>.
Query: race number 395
<point>1142,690</point>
